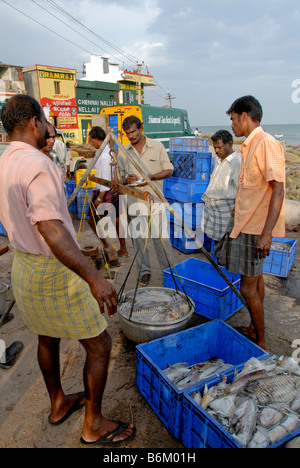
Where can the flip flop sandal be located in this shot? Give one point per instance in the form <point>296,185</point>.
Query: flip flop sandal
<point>145,279</point>
<point>12,352</point>
<point>75,407</point>
<point>109,436</point>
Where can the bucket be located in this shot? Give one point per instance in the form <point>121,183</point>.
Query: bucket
<point>3,288</point>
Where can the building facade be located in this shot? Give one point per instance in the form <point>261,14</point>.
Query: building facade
<point>55,89</point>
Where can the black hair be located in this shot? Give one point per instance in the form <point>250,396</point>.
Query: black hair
<point>18,110</point>
<point>248,104</point>
<point>222,135</point>
<point>97,133</point>
<point>130,120</point>
<point>54,129</point>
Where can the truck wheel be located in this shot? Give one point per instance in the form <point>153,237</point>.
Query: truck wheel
<point>81,165</point>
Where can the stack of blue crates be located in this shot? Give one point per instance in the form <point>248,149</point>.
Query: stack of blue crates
<point>192,163</point>
<point>70,187</point>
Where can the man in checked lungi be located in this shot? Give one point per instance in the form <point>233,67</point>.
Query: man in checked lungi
<point>219,197</point>
<point>259,210</point>
<point>58,291</point>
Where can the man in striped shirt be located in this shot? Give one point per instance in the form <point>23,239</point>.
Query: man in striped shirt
<point>219,197</point>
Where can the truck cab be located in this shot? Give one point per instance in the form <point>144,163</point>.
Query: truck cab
<point>158,122</point>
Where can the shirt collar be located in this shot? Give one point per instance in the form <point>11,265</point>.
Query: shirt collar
<point>228,159</point>
<point>148,142</point>
<point>251,136</point>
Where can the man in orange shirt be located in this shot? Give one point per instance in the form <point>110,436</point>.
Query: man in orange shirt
<point>259,210</point>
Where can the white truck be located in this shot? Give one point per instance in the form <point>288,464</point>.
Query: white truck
<point>76,161</point>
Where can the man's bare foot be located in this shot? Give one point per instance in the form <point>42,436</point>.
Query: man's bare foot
<point>263,345</point>
<point>65,407</point>
<point>248,332</point>
<point>122,253</point>
<point>110,432</point>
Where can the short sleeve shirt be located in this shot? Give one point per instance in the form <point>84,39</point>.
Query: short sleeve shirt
<point>31,190</point>
<point>154,159</point>
<point>262,162</point>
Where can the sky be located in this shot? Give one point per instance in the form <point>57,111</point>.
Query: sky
<point>205,54</point>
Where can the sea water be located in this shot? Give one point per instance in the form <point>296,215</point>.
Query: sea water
<point>291,133</point>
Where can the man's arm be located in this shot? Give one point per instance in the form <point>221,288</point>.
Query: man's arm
<point>67,252</point>
<point>162,175</point>
<point>131,178</point>
<point>264,242</point>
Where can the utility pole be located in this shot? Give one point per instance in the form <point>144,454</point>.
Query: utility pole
<point>139,84</point>
<point>169,98</point>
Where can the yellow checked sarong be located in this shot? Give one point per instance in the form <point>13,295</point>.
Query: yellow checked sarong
<point>53,300</point>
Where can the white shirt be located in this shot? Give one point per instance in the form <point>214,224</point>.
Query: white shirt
<point>103,167</point>
<point>224,179</point>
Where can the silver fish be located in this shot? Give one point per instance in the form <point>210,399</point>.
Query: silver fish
<point>274,389</point>
<point>240,383</point>
<point>197,397</point>
<point>266,395</point>
<point>288,425</point>
<point>198,372</point>
<point>295,405</point>
<point>260,438</point>
<point>281,246</point>
<point>154,306</point>
<point>244,421</point>
<point>224,406</point>
<point>176,371</point>
<point>270,416</point>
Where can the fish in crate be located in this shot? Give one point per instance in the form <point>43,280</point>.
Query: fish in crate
<point>260,406</point>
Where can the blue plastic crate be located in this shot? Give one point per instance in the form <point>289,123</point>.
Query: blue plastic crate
<point>190,213</point>
<point>184,190</point>
<point>213,297</point>
<point>181,241</point>
<point>201,430</point>
<point>279,263</point>
<point>70,187</point>
<point>2,230</point>
<point>84,197</point>
<point>197,344</point>
<point>189,144</point>
<point>194,166</point>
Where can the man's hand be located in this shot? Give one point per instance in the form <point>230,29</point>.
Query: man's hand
<point>68,252</point>
<point>131,178</point>
<point>104,292</point>
<point>263,246</point>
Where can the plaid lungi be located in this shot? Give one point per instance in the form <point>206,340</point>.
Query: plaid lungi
<point>238,255</point>
<point>53,300</point>
<point>217,215</point>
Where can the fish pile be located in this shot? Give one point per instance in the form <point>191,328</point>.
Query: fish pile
<point>182,375</point>
<point>281,246</point>
<point>261,405</point>
<point>154,306</point>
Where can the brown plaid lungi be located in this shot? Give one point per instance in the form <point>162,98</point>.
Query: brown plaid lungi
<point>238,255</point>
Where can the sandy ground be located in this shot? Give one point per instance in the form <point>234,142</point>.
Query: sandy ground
<point>24,401</point>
